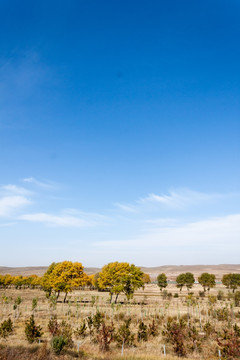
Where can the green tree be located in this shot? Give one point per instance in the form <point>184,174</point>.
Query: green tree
<point>207,281</point>
<point>180,280</point>
<point>185,279</point>
<point>162,281</point>
<point>32,331</point>
<point>231,281</point>
<point>189,280</point>
<point>120,277</point>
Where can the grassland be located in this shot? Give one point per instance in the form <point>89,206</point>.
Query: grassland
<point>147,305</point>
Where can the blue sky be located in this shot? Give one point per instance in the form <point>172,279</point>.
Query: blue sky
<point>119,132</point>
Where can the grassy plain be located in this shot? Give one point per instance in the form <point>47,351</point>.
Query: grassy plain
<point>147,305</point>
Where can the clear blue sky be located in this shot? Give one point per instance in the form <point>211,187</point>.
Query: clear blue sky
<point>119,132</point>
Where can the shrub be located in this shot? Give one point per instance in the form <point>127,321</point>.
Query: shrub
<point>53,326</point>
<point>174,333</point>
<point>229,343</point>
<point>220,295</point>
<point>142,332</point>
<point>58,343</point>
<point>66,331</point>
<point>124,335</point>
<point>209,329</point>
<point>97,320</point>
<point>236,298</point>
<point>6,328</point>
<point>81,331</point>
<point>34,303</point>
<point>32,331</point>
<point>105,336</point>
<point>152,329</point>
<point>222,314</point>
<point>176,295</point>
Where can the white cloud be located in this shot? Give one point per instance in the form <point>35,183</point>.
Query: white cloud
<point>62,220</point>
<point>209,232</point>
<point>16,189</point>
<point>9,204</point>
<point>181,198</point>
<point>46,185</point>
<point>127,208</point>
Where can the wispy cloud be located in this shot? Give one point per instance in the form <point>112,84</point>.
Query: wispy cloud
<point>127,208</point>
<point>42,184</point>
<point>209,232</point>
<point>180,198</point>
<point>67,218</point>
<point>9,204</point>
<point>14,189</point>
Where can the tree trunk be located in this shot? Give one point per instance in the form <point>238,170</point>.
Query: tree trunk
<point>116,298</point>
<point>65,297</point>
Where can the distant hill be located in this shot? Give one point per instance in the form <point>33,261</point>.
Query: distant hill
<point>170,270</point>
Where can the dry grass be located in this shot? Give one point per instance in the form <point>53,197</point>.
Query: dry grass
<point>146,305</point>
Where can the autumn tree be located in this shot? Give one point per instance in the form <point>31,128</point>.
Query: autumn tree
<point>162,281</point>
<point>46,282</point>
<point>64,277</point>
<point>207,281</point>
<point>146,278</point>
<point>120,277</point>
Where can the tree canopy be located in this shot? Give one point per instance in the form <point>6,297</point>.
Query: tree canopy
<point>162,281</point>
<point>185,279</point>
<point>120,277</point>
<point>64,277</point>
<point>207,281</point>
<point>231,281</point>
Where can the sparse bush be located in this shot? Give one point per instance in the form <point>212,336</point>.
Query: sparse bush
<point>220,295</point>
<point>152,329</point>
<point>32,331</point>
<point>58,343</point>
<point>53,326</point>
<point>174,333</point>
<point>66,331</point>
<point>236,298</point>
<point>105,336</point>
<point>80,332</point>
<point>209,329</point>
<point>142,332</point>
<point>6,328</point>
<point>212,299</point>
<point>97,320</point>
<point>124,335</point>
<point>34,303</point>
<point>229,343</point>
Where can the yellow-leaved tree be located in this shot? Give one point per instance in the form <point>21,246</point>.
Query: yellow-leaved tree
<point>119,277</point>
<point>66,276</point>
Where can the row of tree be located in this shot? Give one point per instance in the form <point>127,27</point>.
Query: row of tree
<point>115,277</point>
<point>18,282</point>
<point>208,281</point>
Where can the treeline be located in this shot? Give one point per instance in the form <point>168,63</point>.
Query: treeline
<point>20,282</point>
<point>115,277</point>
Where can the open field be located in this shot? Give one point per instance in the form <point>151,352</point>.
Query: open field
<point>171,270</point>
<point>147,306</point>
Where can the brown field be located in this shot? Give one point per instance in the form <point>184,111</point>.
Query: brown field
<point>172,271</point>
<point>147,305</point>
